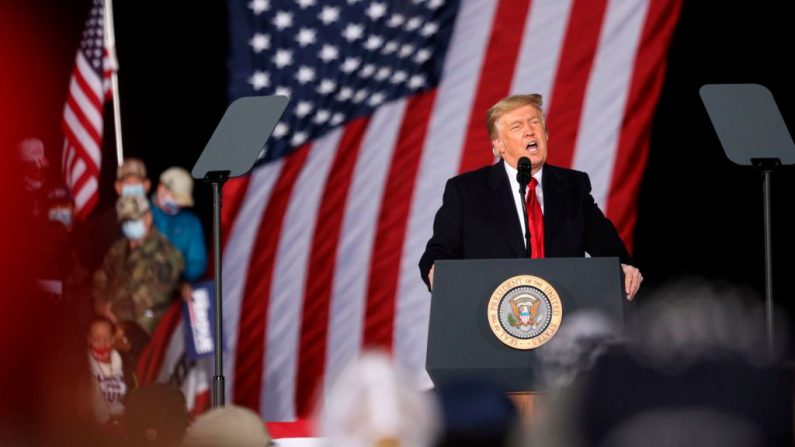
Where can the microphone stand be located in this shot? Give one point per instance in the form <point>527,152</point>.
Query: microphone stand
<point>522,192</point>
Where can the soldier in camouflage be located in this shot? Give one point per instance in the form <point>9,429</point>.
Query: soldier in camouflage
<point>140,272</point>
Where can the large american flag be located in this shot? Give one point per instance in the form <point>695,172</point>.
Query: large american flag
<point>388,100</point>
<point>82,121</point>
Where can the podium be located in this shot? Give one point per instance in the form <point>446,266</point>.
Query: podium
<point>468,296</point>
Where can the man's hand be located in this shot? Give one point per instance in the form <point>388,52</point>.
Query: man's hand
<point>632,280</point>
<point>430,276</point>
<point>186,291</point>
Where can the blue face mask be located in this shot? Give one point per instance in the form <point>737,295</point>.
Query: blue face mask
<point>169,206</point>
<point>134,189</point>
<point>133,229</point>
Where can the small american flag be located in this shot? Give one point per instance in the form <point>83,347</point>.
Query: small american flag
<point>82,123</point>
<point>388,100</point>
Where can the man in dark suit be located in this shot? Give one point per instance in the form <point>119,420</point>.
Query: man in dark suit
<point>481,212</point>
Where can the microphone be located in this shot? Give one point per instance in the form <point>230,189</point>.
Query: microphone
<point>523,176</point>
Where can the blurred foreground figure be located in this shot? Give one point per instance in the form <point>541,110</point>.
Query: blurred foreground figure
<point>156,416</point>
<point>229,426</point>
<point>694,371</point>
<point>373,404</point>
<point>107,371</point>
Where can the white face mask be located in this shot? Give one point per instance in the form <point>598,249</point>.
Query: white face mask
<point>133,189</point>
<point>134,229</point>
<point>62,215</point>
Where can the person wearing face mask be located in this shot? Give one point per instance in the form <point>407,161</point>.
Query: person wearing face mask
<point>180,226</point>
<point>141,270</point>
<point>109,385</point>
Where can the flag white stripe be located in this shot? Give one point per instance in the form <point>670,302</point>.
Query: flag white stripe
<point>440,159</point>
<point>87,107</point>
<point>176,347</point>
<point>85,193</point>
<point>86,71</point>
<point>83,138</point>
<point>280,362</point>
<point>539,53</point>
<point>357,238</point>
<point>237,255</point>
<point>606,94</point>
<point>77,170</point>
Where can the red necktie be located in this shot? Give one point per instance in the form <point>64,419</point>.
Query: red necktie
<point>536,219</point>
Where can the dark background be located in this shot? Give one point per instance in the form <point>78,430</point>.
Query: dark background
<point>698,214</point>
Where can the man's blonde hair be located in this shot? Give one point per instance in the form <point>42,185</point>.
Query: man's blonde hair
<point>504,106</point>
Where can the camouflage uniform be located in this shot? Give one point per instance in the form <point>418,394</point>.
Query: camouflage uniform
<point>138,282</point>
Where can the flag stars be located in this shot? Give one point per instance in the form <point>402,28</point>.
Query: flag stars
<point>376,10</point>
<point>350,64</point>
<point>417,81</point>
<point>306,36</point>
<point>360,95</point>
<point>305,74</point>
<point>435,4</point>
<point>259,6</point>
<point>345,94</point>
<point>326,86</point>
<point>395,21</point>
<point>422,56</point>
<point>367,71</point>
<point>338,118</point>
<point>429,29</point>
<point>303,108</point>
<point>373,42</point>
<point>260,42</point>
<point>413,24</point>
<point>283,20</point>
<point>328,53</point>
<point>280,130</point>
<point>353,32</point>
<point>298,138</point>
<point>305,3</point>
<point>321,116</point>
<point>376,99</point>
<point>259,80</point>
<point>283,58</point>
<point>283,91</point>
<point>399,77</point>
<point>329,15</point>
<point>390,47</point>
<point>406,50</point>
<point>383,73</point>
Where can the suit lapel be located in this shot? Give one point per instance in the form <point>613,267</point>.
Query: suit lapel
<point>554,186</point>
<point>503,209</point>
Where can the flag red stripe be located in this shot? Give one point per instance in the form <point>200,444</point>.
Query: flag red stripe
<point>495,79</point>
<point>646,84</point>
<point>250,349</point>
<point>82,213</point>
<point>152,356</point>
<point>392,221</point>
<point>321,266</point>
<point>86,88</point>
<point>82,153</point>
<point>568,94</point>
<point>86,124</point>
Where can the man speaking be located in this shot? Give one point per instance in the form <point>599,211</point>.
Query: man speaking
<point>487,214</point>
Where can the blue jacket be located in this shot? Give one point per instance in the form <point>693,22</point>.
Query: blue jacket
<point>184,231</point>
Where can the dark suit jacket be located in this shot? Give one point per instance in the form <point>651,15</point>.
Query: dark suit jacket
<point>478,219</point>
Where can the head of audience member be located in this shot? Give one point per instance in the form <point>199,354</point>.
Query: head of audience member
<point>175,190</point>
<point>131,178</point>
<point>694,370</point>
<point>135,217</point>
<point>517,129</point>
<point>30,153</point>
<point>373,403</point>
<point>100,339</point>
<point>155,415</point>
<point>60,208</point>
<point>476,412</point>
<point>229,426</point>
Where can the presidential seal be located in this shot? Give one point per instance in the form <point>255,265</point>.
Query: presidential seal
<point>524,312</point>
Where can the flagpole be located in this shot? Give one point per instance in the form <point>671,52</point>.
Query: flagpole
<point>110,44</point>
